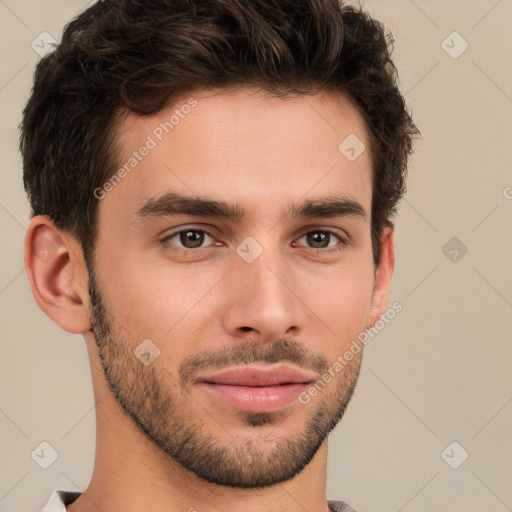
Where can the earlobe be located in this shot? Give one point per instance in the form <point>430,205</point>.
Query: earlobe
<point>383,276</point>
<point>57,274</point>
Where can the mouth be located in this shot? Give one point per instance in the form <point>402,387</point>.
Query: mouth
<point>254,388</point>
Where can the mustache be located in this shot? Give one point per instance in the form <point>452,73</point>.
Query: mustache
<point>253,352</point>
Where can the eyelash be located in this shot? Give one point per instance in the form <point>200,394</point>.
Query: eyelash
<point>343,242</point>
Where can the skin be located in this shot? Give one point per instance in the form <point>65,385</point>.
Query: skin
<point>212,308</point>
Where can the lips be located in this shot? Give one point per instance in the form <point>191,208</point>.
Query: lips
<point>255,376</point>
<point>257,388</point>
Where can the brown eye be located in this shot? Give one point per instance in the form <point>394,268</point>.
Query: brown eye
<point>188,238</point>
<point>318,239</point>
<point>191,239</point>
<point>322,239</point>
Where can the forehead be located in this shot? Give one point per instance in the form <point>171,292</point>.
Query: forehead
<point>222,143</point>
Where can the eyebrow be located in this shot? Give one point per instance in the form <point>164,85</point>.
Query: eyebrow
<point>179,204</point>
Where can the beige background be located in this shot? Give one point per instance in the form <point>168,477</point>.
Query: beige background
<point>439,372</point>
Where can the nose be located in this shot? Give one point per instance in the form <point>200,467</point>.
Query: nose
<point>264,296</point>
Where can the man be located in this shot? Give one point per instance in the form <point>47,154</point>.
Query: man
<point>212,186</point>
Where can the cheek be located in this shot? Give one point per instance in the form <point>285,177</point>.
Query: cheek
<point>159,301</point>
<point>346,310</point>
<point>133,296</point>
<point>342,299</point>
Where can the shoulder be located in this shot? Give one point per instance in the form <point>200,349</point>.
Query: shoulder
<point>59,499</point>
<point>339,506</point>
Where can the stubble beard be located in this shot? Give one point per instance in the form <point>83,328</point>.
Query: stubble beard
<point>250,459</point>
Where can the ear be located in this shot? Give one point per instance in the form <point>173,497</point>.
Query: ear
<point>383,276</point>
<point>57,274</point>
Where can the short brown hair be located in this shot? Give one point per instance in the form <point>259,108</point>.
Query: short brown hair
<point>135,56</point>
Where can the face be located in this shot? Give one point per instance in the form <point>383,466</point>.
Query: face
<point>271,270</point>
